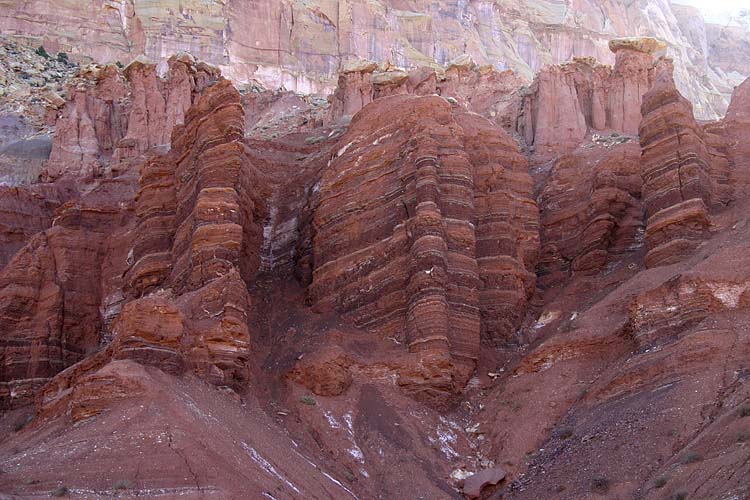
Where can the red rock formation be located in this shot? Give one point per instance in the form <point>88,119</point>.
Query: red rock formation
<point>552,112</point>
<point>190,237</point>
<point>507,227</point>
<point>476,482</point>
<point>448,235</point>
<point>63,310</point>
<point>91,125</point>
<point>354,90</point>
<point>567,102</point>
<point>52,291</point>
<point>50,309</point>
<point>631,78</point>
<point>24,211</point>
<point>303,45</point>
<point>416,239</point>
<point>482,89</point>
<point>735,132</point>
<point>204,331</point>
<point>147,120</point>
<point>325,373</point>
<point>56,314</point>
<point>685,300</point>
<point>649,354</point>
<point>158,105</point>
<point>115,116</point>
<point>590,209</point>
<point>682,176</point>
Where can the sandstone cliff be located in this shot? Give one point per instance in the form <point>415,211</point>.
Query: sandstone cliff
<point>302,45</point>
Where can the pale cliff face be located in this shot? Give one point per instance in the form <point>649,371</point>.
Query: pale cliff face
<point>302,44</point>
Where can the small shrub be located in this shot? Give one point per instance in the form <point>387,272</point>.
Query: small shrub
<point>60,492</point>
<point>744,411</point>
<point>119,65</point>
<point>742,437</point>
<point>691,458</point>
<point>41,51</point>
<point>660,482</point>
<point>62,57</point>
<point>308,400</point>
<point>123,484</point>
<point>600,485</point>
<point>680,495</point>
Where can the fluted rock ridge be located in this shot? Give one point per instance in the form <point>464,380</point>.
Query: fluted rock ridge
<point>424,229</point>
<point>683,176</point>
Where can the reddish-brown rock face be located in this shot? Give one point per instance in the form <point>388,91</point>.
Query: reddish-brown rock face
<point>354,90</point>
<point>182,305</point>
<point>591,210</point>
<point>567,102</point>
<point>735,132</point>
<point>51,294</point>
<point>158,105</point>
<point>119,115</point>
<point>91,125</point>
<point>683,177</point>
<point>303,44</point>
<point>480,89</point>
<point>189,240</point>
<point>63,290</point>
<point>25,211</point>
<point>424,230</point>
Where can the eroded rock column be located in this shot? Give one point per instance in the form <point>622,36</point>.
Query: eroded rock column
<point>675,165</point>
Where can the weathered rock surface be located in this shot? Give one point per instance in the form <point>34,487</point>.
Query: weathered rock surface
<point>653,377</point>
<point>568,102</point>
<point>25,211</point>
<point>474,484</point>
<point>190,240</point>
<point>734,130</point>
<point>81,274</point>
<point>424,218</point>
<point>51,294</point>
<point>91,125</point>
<point>481,89</point>
<point>683,176</point>
<point>302,45</point>
<point>590,208</point>
<point>120,115</point>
